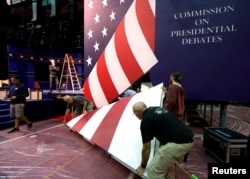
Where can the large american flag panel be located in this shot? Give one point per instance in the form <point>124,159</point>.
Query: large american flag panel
<point>116,129</point>
<point>119,46</point>
<point>204,57</point>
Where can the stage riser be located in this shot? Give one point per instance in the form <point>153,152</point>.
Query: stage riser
<point>37,110</point>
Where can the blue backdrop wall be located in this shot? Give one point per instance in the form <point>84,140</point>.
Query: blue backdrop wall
<point>208,42</point>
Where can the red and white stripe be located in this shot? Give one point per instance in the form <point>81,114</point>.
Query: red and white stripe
<point>115,128</point>
<point>128,55</point>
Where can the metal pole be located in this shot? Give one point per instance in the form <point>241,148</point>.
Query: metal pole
<point>223,113</point>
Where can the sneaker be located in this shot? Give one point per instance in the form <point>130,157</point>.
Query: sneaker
<point>13,130</point>
<point>30,125</point>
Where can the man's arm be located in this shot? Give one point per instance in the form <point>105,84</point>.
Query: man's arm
<point>145,156</point>
<point>84,107</point>
<point>51,68</point>
<point>54,68</point>
<point>67,111</point>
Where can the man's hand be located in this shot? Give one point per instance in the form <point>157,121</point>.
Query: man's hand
<point>13,97</point>
<point>164,89</point>
<point>64,119</point>
<point>140,171</point>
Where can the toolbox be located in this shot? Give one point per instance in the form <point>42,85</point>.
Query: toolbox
<point>226,145</point>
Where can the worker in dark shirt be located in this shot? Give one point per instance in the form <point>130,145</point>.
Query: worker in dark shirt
<point>53,75</point>
<point>80,104</point>
<point>175,137</point>
<point>17,94</point>
<point>175,96</point>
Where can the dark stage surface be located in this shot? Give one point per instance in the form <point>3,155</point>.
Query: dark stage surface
<point>51,150</point>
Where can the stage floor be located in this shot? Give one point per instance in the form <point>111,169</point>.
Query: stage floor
<point>51,150</point>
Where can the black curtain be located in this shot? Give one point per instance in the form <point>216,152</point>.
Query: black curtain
<point>4,13</point>
<point>41,71</point>
<point>3,59</point>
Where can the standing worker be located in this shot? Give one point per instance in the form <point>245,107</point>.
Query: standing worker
<point>53,75</point>
<point>17,94</point>
<point>175,96</point>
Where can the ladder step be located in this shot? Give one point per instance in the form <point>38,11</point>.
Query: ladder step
<point>69,73</point>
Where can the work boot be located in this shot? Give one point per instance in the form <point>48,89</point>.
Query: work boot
<point>13,130</point>
<point>29,125</point>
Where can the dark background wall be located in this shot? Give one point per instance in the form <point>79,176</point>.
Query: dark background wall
<point>49,35</point>
<point>215,65</point>
<point>4,12</point>
<point>3,59</point>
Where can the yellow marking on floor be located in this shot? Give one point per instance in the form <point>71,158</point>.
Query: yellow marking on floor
<point>68,162</point>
